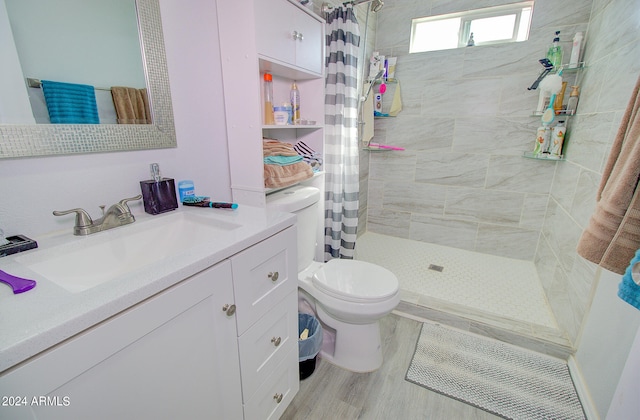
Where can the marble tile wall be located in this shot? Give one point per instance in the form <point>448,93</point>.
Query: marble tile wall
<point>612,53</point>
<point>462,180</point>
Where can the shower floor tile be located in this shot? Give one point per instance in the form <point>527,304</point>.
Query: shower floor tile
<point>499,287</point>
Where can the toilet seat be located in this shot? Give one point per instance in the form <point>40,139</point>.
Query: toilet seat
<point>355,281</point>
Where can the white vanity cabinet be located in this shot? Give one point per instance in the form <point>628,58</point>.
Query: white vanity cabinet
<point>287,34</point>
<point>265,287</point>
<point>219,344</point>
<point>171,356</point>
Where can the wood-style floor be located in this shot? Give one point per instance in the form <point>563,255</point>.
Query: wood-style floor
<point>335,394</point>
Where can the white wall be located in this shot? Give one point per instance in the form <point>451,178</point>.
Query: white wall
<point>626,404</point>
<point>606,343</point>
<point>31,188</point>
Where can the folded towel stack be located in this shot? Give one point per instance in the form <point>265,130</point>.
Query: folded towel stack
<point>309,155</point>
<point>283,166</point>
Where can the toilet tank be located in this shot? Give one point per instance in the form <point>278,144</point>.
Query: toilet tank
<point>304,202</point>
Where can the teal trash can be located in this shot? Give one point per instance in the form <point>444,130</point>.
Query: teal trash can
<point>308,348</point>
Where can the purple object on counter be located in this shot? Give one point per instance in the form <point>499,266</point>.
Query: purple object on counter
<point>18,284</point>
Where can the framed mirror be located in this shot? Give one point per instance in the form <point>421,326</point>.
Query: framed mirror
<point>23,140</point>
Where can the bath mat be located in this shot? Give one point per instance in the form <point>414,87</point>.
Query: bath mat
<point>500,378</point>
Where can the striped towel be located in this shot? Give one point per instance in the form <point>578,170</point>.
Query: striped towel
<point>70,103</point>
<point>309,155</point>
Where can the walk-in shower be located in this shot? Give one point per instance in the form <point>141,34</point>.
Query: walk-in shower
<point>462,287</point>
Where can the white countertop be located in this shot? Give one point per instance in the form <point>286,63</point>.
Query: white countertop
<point>42,317</point>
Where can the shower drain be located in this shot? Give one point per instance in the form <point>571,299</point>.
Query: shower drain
<point>437,268</point>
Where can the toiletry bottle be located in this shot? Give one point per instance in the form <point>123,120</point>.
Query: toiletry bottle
<point>554,54</point>
<point>542,140</point>
<point>557,139</point>
<point>575,50</point>
<point>471,42</point>
<point>268,99</point>
<point>557,104</point>
<point>185,189</point>
<point>543,101</point>
<point>295,103</point>
<point>287,106</point>
<point>378,102</point>
<point>572,104</point>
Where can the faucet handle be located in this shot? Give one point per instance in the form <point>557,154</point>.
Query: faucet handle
<point>124,202</point>
<point>82,217</point>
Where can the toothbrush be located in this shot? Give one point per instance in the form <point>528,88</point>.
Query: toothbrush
<point>199,201</point>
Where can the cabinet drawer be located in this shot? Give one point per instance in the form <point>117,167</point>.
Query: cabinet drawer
<point>273,397</point>
<point>267,343</point>
<point>263,275</point>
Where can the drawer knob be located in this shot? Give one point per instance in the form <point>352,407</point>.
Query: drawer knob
<point>278,398</point>
<point>229,309</point>
<point>276,341</point>
<point>273,276</point>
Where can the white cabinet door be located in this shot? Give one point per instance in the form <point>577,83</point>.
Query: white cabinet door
<point>309,46</point>
<point>274,29</point>
<point>172,356</point>
<point>288,34</point>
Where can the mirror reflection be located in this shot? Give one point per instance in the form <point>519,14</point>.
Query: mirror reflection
<point>22,137</point>
<point>80,50</point>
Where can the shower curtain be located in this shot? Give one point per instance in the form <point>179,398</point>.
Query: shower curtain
<point>341,133</point>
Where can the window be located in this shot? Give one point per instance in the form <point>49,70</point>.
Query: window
<point>492,25</point>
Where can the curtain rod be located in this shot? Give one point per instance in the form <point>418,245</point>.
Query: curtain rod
<point>37,83</point>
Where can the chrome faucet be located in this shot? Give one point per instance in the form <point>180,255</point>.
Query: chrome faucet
<point>118,214</point>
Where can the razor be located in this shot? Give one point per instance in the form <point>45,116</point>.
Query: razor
<point>548,66</point>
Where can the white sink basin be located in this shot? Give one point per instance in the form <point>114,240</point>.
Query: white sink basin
<point>94,260</point>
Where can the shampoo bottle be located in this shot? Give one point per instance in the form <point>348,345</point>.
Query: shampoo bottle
<point>574,60</point>
<point>543,136</point>
<point>554,54</point>
<point>295,103</point>
<point>572,104</point>
<point>557,140</point>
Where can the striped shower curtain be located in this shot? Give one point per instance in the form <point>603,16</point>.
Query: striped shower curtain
<point>341,140</point>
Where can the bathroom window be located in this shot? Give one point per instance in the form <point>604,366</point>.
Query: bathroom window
<point>492,25</point>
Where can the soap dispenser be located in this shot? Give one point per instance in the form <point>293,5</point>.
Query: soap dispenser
<point>158,194</point>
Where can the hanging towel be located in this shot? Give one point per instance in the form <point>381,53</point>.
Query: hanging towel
<point>367,117</point>
<point>613,233</point>
<point>132,105</point>
<point>396,104</point>
<point>70,103</point>
<point>629,288</point>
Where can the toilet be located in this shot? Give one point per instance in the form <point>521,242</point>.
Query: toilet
<point>348,297</point>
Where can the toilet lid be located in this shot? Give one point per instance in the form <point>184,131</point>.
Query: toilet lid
<point>356,281</point>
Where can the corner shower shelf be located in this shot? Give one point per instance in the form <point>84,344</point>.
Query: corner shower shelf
<point>544,156</point>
